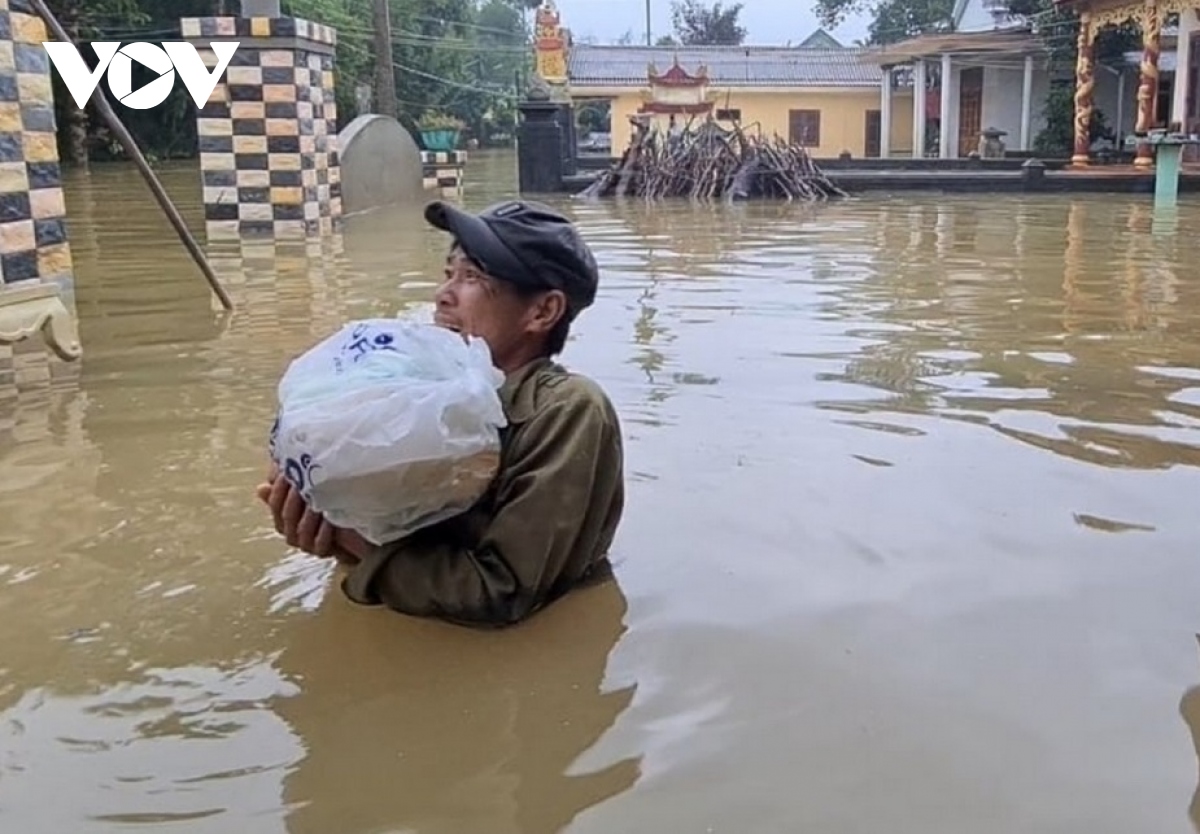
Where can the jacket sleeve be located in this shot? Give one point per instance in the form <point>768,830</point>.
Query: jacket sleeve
<point>554,509</point>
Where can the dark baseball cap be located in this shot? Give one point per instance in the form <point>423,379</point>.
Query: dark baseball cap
<point>524,243</point>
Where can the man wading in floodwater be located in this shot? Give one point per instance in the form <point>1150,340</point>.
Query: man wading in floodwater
<point>517,275</point>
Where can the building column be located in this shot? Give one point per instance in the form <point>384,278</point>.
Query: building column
<point>885,114</point>
<point>918,76</point>
<point>268,135</point>
<point>1147,94</point>
<point>1027,104</point>
<point>539,148</point>
<point>36,269</point>
<point>1189,22</point>
<point>945,146</point>
<point>1085,83</point>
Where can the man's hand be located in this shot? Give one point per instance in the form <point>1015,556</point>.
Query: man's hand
<point>295,521</point>
<point>307,530</point>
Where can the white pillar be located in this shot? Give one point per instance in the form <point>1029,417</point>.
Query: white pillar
<point>945,131</point>
<point>918,76</point>
<point>1189,22</point>
<point>1027,105</point>
<point>885,114</point>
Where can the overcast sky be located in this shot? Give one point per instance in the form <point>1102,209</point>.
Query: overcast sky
<point>766,21</point>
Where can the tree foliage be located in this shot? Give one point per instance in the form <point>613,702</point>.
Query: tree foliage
<point>698,23</point>
<point>456,57</point>
<point>891,20</point>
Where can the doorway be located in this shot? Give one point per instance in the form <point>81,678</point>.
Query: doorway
<point>1164,99</point>
<point>873,141</point>
<point>970,109</point>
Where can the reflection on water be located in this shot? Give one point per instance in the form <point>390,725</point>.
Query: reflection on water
<point>910,539</point>
<point>1190,709</point>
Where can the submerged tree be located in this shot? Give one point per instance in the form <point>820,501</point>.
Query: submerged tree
<point>700,24</point>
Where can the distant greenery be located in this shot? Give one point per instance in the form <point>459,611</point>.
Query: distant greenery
<point>700,24</point>
<point>1058,29</point>
<point>462,59</point>
<point>1057,139</point>
<point>891,20</point>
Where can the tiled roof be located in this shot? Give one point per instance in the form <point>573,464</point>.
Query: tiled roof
<point>728,66</point>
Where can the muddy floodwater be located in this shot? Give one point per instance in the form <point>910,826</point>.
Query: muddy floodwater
<point>912,540</point>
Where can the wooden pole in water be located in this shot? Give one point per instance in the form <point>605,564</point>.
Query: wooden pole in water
<point>127,141</point>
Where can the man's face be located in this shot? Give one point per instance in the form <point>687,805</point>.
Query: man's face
<point>475,304</point>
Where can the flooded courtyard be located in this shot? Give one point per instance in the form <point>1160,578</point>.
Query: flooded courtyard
<point>910,540</point>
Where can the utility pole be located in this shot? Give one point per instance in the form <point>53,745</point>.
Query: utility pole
<point>648,24</point>
<point>385,71</point>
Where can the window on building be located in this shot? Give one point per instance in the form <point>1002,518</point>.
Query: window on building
<point>804,127</point>
<point>729,115</point>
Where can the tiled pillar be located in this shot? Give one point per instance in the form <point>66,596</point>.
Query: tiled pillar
<point>36,273</point>
<point>268,137</point>
<point>443,170</point>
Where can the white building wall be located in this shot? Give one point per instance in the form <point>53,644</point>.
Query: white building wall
<point>1104,99</point>
<point>1002,95</point>
<point>1002,101</point>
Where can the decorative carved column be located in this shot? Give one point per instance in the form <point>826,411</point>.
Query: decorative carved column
<point>1085,83</point>
<point>1151,20</point>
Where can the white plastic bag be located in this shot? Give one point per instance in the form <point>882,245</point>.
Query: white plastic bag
<point>389,426</point>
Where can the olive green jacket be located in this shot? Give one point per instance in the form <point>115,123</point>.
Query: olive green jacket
<point>544,525</point>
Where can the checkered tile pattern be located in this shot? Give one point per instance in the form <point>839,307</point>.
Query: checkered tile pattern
<point>268,136</point>
<point>33,232</point>
<point>443,170</point>
<point>258,27</point>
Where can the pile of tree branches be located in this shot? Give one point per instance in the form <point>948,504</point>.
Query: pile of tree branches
<point>709,163</point>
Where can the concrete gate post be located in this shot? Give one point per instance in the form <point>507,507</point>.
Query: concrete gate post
<point>540,148</point>
<point>268,136</point>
